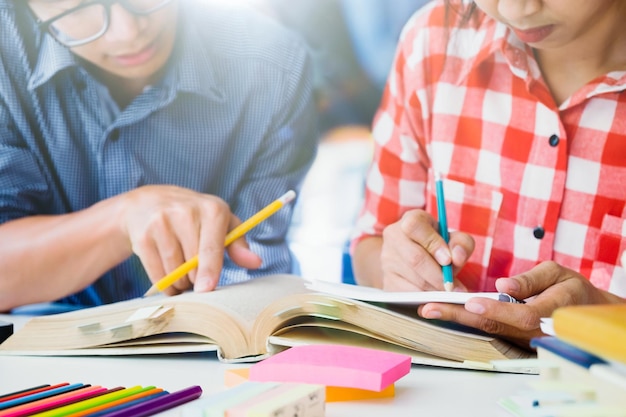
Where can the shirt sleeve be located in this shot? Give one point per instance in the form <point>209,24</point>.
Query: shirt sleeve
<point>287,152</point>
<point>24,190</point>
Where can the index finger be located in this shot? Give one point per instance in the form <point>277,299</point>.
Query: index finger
<point>420,227</point>
<point>215,224</point>
<point>538,280</point>
<point>526,317</point>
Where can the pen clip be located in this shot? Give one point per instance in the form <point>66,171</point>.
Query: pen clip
<point>509,299</point>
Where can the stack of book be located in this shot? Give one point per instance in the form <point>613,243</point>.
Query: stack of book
<point>582,366</point>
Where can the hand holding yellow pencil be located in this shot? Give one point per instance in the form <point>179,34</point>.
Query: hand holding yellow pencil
<point>233,235</point>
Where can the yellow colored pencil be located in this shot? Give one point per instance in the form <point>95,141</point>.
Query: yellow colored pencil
<point>92,402</point>
<point>233,235</point>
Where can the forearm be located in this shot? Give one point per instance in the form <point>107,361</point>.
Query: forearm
<point>366,262</point>
<point>43,258</point>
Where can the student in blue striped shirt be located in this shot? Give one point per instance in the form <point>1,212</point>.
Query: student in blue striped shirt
<point>135,134</point>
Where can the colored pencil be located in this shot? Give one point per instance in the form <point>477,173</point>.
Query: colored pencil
<point>448,278</point>
<point>119,407</point>
<point>23,392</point>
<point>233,235</point>
<point>92,402</point>
<point>156,405</point>
<point>150,391</point>
<point>53,402</point>
<point>39,395</point>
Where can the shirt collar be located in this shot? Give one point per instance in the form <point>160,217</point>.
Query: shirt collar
<point>52,58</point>
<point>492,37</point>
<point>488,39</point>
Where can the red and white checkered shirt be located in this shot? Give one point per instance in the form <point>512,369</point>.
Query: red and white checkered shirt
<point>530,180</point>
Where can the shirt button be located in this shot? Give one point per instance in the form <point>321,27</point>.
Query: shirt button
<point>539,232</point>
<point>554,140</point>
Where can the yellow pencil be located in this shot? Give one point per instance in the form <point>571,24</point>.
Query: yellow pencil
<point>233,235</point>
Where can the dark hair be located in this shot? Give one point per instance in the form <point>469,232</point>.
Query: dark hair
<point>466,11</point>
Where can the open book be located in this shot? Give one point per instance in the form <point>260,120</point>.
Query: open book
<point>251,320</point>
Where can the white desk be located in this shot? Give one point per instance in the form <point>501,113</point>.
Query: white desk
<point>425,391</point>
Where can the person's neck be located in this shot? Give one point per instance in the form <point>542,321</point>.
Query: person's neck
<point>600,51</point>
<point>122,90</point>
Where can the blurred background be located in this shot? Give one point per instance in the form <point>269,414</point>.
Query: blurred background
<point>352,43</point>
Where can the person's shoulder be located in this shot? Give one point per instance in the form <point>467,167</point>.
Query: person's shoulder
<point>439,22</point>
<point>6,5</point>
<point>238,31</point>
<point>12,36</point>
<point>7,15</point>
<point>450,14</point>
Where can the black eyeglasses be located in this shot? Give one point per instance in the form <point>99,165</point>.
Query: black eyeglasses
<point>87,22</point>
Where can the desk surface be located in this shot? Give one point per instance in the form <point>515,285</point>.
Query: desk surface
<point>425,391</point>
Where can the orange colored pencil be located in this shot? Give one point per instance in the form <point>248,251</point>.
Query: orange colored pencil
<point>115,403</point>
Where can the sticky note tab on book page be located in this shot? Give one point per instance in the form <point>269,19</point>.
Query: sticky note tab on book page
<point>334,365</point>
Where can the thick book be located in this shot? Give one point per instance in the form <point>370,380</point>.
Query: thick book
<point>580,373</point>
<point>598,329</point>
<point>249,321</point>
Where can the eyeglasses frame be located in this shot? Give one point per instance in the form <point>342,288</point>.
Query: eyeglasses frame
<point>46,25</point>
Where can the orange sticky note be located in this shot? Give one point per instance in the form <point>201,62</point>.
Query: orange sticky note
<point>233,377</point>
<point>334,365</point>
<point>236,376</point>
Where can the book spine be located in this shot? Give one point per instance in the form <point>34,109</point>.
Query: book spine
<point>597,329</point>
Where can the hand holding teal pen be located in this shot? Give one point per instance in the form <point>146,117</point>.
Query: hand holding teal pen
<point>448,277</point>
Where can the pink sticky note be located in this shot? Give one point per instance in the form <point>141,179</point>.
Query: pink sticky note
<point>333,365</point>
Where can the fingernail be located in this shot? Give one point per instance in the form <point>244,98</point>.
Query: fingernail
<point>202,285</point>
<point>507,285</point>
<point>443,256</point>
<point>432,314</point>
<point>459,254</point>
<point>475,308</point>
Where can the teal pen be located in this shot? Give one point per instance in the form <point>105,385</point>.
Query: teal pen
<point>448,278</point>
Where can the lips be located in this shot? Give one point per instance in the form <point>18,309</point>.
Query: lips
<point>137,58</point>
<point>534,35</point>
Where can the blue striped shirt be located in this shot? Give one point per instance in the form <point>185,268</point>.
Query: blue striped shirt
<point>233,116</point>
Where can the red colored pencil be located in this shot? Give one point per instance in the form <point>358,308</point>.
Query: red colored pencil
<point>15,394</point>
<point>52,402</point>
<point>30,391</point>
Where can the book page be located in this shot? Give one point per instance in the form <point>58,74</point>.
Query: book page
<point>245,300</point>
<point>387,324</point>
<point>223,317</point>
<point>412,298</point>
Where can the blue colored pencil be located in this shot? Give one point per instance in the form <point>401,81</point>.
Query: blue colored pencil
<point>158,404</point>
<point>448,277</point>
<point>24,392</point>
<point>39,395</point>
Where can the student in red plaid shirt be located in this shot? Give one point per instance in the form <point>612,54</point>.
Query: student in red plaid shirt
<point>520,105</point>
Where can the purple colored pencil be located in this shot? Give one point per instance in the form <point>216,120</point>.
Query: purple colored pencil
<point>158,404</point>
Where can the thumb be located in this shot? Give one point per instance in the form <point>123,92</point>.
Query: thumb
<point>533,282</point>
